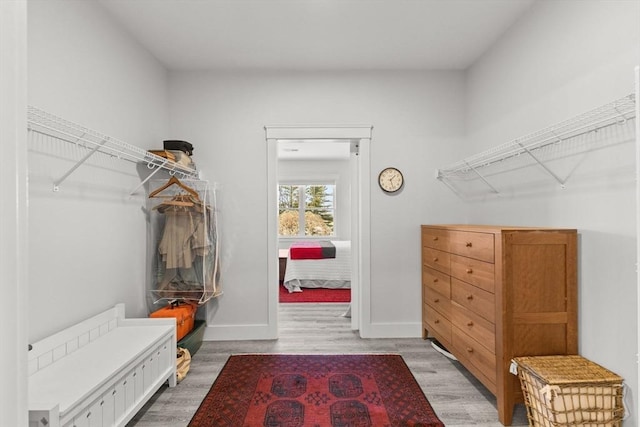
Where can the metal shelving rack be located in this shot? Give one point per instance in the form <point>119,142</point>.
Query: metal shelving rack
<point>93,142</point>
<point>539,147</point>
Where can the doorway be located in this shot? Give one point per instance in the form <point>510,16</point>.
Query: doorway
<point>359,137</point>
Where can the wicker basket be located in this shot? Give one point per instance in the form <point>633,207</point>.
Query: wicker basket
<point>569,391</point>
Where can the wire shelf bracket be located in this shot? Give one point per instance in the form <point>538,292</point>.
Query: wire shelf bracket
<point>544,166</point>
<point>615,113</point>
<point>475,169</point>
<point>45,123</point>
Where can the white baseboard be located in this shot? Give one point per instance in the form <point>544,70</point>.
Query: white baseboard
<point>265,332</point>
<point>394,330</point>
<point>238,333</point>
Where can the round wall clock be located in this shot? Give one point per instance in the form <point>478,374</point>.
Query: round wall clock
<point>390,180</point>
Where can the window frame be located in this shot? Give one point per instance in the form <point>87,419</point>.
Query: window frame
<point>306,182</point>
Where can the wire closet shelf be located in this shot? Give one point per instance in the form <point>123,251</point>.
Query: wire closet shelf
<point>618,112</point>
<point>93,142</point>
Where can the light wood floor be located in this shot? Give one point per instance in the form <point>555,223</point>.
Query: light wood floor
<point>458,399</point>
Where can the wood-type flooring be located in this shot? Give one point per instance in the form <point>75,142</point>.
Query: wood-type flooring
<point>458,398</point>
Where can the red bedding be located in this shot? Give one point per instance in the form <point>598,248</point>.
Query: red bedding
<point>319,249</point>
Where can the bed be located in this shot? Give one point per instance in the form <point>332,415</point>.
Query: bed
<point>332,273</point>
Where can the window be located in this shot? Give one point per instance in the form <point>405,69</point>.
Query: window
<point>306,210</point>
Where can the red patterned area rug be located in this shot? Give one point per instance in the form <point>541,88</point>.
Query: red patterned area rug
<point>351,390</point>
<point>315,295</point>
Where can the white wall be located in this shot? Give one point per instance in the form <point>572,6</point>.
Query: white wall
<point>562,59</point>
<point>333,171</point>
<point>417,121</point>
<point>87,241</point>
<point>13,215</point>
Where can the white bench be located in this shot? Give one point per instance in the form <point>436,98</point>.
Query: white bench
<point>101,371</point>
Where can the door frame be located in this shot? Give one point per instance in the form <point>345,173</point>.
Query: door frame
<point>360,136</point>
<point>14,216</point>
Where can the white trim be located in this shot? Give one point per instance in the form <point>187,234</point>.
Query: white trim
<point>13,212</point>
<point>393,330</point>
<point>360,213</point>
<point>238,332</point>
<point>273,263</point>
<point>264,331</point>
<point>361,312</point>
<point>637,79</point>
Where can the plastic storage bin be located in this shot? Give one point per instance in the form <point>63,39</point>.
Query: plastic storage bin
<point>193,340</point>
<point>569,391</point>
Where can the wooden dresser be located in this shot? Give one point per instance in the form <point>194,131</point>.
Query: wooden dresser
<point>491,293</point>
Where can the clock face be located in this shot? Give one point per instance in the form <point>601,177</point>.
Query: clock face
<point>390,180</point>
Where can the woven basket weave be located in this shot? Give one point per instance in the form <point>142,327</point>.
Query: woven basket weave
<point>564,391</point>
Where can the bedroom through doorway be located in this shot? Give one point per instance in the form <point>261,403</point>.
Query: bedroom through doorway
<point>314,228</point>
<point>316,188</point>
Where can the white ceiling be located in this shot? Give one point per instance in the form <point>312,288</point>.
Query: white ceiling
<point>316,34</point>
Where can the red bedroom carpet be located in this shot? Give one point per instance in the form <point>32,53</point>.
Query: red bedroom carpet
<point>315,295</point>
<point>315,390</point>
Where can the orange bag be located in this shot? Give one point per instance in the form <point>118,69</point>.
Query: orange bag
<point>184,313</point>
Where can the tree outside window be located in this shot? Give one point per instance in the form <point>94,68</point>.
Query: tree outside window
<point>306,210</point>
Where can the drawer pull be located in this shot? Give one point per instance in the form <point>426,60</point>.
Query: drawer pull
<point>436,300</point>
<point>470,297</point>
<point>469,270</point>
<point>435,259</point>
<point>469,350</point>
<point>469,323</point>
<point>469,244</point>
<point>435,280</point>
<point>88,414</point>
<point>435,238</point>
<point>436,321</point>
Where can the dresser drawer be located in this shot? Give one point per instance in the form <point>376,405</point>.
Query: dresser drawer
<point>438,302</point>
<point>473,325</point>
<point>436,259</point>
<point>475,353</point>
<point>470,270</point>
<point>474,299</point>
<point>437,325</point>
<point>437,281</point>
<point>435,238</point>
<point>472,245</point>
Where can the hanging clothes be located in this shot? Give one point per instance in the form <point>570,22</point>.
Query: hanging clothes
<point>184,237</point>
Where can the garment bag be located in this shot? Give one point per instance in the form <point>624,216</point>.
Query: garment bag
<point>182,242</point>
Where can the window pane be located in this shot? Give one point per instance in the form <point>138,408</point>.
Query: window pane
<point>288,197</point>
<point>289,223</point>
<point>319,210</point>
<point>315,225</point>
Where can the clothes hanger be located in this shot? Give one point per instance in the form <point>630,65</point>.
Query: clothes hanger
<point>175,181</point>
<point>175,206</point>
